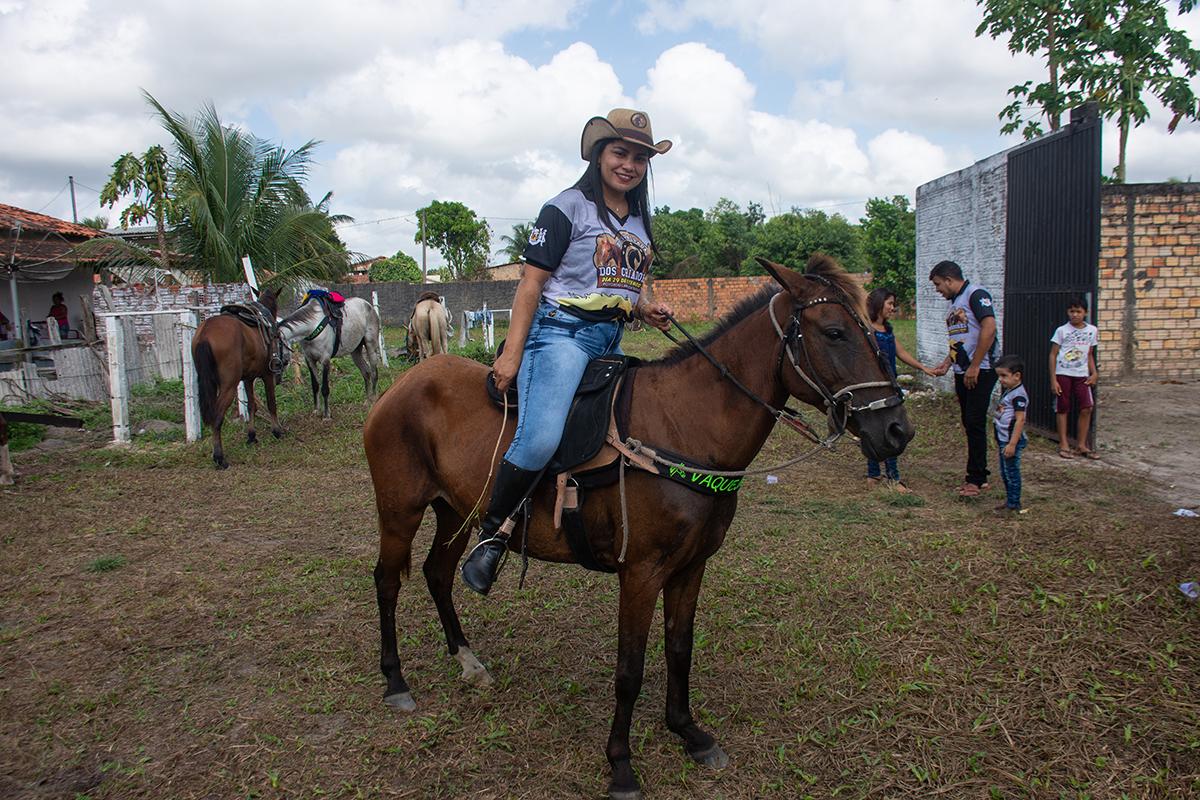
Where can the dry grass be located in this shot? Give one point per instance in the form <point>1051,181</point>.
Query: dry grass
<point>172,631</point>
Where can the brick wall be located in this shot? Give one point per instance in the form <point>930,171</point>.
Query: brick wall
<point>1148,309</point>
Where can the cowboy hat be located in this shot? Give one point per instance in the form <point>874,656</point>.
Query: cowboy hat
<point>621,123</point>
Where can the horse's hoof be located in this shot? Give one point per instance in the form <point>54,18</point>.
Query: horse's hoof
<point>617,793</point>
<point>222,464</point>
<point>251,438</point>
<point>712,756</point>
<point>278,433</point>
<point>402,701</point>
<point>473,672</point>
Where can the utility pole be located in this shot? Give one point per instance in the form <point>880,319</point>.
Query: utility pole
<point>424,269</point>
<point>74,215</point>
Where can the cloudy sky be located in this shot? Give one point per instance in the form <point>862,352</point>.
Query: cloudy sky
<point>783,102</point>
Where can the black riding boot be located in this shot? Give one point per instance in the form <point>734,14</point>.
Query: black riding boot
<point>511,487</point>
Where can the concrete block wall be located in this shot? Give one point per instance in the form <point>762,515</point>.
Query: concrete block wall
<point>961,217</point>
<point>396,300</point>
<point>1148,309</point>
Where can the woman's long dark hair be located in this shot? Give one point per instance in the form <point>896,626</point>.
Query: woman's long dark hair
<point>593,189</point>
<point>876,300</point>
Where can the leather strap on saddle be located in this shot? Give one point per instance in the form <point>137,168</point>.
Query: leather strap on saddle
<point>259,317</point>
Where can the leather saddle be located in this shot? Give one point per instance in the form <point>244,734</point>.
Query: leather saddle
<point>254,314</point>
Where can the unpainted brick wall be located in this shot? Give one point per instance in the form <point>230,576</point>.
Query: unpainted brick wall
<point>1149,299</point>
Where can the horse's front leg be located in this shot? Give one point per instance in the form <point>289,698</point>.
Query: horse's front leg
<point>312,379</point>
<point>679,616</point>
<point>639,591</point>
<point>252,409</point>
<point>276,428</point>
<point>325,391</point>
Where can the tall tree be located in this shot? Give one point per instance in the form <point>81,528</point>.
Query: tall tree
<point>727,239</point>
<point>515,243</point>
<point>677,236</point>
<point>98,222</point>
<point>1129,50</point>
<point>889,240</point>
<point>791,238</point>
<point>459,235</point>
<point>1046,28</point>
<point>145,179</point>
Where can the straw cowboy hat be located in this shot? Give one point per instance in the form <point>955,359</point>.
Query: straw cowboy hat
<point>621,123</point>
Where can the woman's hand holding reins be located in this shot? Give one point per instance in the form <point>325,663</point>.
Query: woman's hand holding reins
<point>505,369</point>
<point>656,314</point>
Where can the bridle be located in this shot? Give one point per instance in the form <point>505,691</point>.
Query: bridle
<point>839,405</point>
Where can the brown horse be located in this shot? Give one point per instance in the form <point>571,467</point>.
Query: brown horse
<point>227,352</point>
<point>429,438</point>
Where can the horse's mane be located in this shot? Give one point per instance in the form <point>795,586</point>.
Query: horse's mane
<point>819,265</point>
<point>268,298</point>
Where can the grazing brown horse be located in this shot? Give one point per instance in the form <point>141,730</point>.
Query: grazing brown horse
<point>429,438</point>
<point>227,352</point>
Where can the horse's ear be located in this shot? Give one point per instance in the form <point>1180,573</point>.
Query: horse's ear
<point>788,278</point>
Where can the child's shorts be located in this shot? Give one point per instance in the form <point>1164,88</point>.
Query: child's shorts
<point>1073,387</point>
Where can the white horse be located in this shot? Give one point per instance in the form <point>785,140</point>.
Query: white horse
<point>314,326</point>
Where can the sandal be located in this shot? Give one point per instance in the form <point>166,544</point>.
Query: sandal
<point>900,488</point>
<point>968,490</point>
<point>1065,453</point>
<point>1091,455</point>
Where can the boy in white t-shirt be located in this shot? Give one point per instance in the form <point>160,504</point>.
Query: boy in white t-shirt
<point>1073,374</point>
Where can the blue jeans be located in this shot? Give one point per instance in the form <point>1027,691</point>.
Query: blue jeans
<point>557,351</point>
<point>1010,471</point>
<point>893,469</point>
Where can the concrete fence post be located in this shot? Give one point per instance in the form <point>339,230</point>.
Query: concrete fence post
<point>118,381</point>
<point>191,389</point>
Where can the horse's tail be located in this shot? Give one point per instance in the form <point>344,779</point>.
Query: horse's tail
<point>208,381</point>
<point>437,330</point>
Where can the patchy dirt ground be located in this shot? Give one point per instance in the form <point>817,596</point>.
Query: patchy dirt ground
<point>1148,427</point>
<point>171,631</point>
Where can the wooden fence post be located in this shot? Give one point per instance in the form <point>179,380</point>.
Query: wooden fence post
<point>191,392</point>
<point>382,348</point>
<point>118,381</point>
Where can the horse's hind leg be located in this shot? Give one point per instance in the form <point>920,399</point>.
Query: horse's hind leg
<point>363,362</point>
<point>312,380</point>
<point>396,531</point>
<point>447,549</point>
<point>252,405</point>
<point>225,397</point>
<point>679,616</point>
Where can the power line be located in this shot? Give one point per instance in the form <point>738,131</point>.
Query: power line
<point>60,191</point>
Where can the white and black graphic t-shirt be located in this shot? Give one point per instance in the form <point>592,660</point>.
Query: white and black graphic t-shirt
<point>595,273</point>
<point>968,308</point>
<point>1012,401</point>
<point>1074,344</point>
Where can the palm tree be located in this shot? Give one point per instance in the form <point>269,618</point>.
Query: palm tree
<point>514,245</point>
<point>237,195</point>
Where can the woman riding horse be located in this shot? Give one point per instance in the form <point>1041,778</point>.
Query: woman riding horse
<point>590,250</point>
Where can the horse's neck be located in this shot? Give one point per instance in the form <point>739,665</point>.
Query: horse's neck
<point>299,325</point>
<point>688,408</point>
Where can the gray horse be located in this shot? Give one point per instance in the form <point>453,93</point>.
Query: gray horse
<point>315,327</point>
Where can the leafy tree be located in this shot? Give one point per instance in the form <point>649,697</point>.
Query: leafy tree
<point>889,242</point>
<point>145,179</point>
<point>728,237</point>
<point>98,222</point>
<point>1035,27</point>
<point>1131,49</point>
<point>677,237</point>
<point>462,238</point>
<point>793,237</point>
<point>514,244</point>
<point>400,267</point>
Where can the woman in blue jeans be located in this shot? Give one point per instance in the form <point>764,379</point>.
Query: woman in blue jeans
<point>588,256</point>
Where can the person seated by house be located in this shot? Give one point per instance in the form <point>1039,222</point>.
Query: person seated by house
<point>58,310</point>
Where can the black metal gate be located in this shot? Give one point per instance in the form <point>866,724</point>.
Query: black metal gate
<point>1052,247</point>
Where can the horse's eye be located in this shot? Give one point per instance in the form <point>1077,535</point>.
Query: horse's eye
<point>835,334</point>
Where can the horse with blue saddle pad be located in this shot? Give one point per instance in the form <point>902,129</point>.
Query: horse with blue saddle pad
<point>328,325</point>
